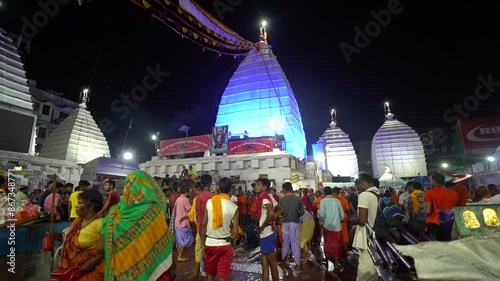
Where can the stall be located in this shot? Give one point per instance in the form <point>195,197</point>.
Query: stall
<point>21,256</point>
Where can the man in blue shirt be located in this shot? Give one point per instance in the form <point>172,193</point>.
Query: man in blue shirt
<point>330,215</point>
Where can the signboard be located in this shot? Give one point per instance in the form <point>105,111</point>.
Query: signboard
<point>185,145</point>
<point>481,133</point>
<point>253,145</point>
<point>219,139</point>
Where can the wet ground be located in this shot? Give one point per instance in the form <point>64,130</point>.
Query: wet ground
<point>246,266</point>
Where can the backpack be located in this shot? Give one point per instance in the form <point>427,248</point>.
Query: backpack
<point>389,216</point>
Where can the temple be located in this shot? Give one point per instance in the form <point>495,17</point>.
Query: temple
<point>15,100</point>
<point>77,138</point>
<point>398,147</point>
<point>337,148</point>
<point>259,101</point>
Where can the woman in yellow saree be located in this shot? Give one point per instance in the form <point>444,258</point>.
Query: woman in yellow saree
<point>138,245</point>
<point>306,233</point>
<point>80,247</point>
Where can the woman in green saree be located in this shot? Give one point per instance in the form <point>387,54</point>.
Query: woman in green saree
<point>138,245</point>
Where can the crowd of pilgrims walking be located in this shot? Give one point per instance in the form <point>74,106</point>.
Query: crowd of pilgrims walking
<point>132,236</point>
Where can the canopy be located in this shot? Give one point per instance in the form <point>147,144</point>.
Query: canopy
<point>388,179</point>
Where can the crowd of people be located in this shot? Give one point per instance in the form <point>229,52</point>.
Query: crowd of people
<point>128,239</point>
<point>290,223</point>
<point>151,221</point>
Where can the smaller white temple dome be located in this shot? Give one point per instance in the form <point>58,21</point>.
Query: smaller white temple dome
<point>397,146</point>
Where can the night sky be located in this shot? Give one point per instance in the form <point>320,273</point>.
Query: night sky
<point>423,60</point>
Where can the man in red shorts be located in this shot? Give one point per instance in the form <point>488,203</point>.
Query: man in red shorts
<point>216,232</point>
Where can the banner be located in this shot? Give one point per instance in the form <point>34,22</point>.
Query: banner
<point>185,145</point>
<point>253,145</point>
<point>481,133</point>
<point>219,139</point>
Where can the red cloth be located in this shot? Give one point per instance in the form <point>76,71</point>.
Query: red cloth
<point>171,200</point>
<point>276,197</point>
<point>163,277</point>
<point>113,198</point>
<point>309,206</point>
<point>201,204</point>
<point>218,261</point>
<point>263,196</point>
<point>463,194</point>
<point>395,198</point>
<point>334,244</point>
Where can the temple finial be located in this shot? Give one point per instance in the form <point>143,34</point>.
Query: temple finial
<point>83,102</point>
<point>388,113</point>
<point>263,32</point>
<point>333,115</point>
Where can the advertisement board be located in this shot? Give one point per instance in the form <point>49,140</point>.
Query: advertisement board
<point>483,133</point>
<point>251,145</point>
<point>185,145</point>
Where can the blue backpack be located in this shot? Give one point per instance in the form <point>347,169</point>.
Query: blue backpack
<point>389,215</point>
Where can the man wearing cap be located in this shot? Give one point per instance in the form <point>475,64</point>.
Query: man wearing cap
<point>293,209</point>
<point>112,199</point>
<point>22,193</point>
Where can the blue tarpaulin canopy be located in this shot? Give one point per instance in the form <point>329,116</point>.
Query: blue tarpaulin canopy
<point>425,181</point>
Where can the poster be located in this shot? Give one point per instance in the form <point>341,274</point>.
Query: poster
<point>219,139</point>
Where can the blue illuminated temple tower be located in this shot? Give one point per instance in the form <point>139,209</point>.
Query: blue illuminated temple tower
<point>259,101</point>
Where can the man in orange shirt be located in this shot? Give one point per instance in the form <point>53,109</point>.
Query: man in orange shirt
<point>252,207</point>
<point>438,198</point>
<point>319,196</point>
<point>242,209</point>
<point>344,222</point>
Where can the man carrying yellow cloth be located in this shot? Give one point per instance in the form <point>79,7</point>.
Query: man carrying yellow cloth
<point>216,230</point>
